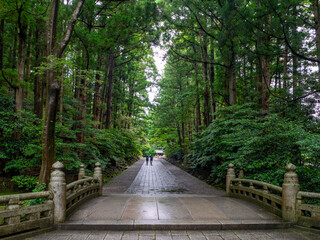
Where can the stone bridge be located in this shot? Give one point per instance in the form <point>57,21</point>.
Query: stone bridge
<point>160,201</point>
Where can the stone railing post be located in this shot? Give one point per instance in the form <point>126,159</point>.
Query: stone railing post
<point>241,173</point>
<point>13,204</point>
<point>230,175</point>
<point>290,189</point>
<point>81,173</point>
<point>98,174</point>
<point>58,187</point>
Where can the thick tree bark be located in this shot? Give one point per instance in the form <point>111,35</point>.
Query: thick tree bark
<point>48,140</point>
<point>204,58</point>
<point>232,85</point>
<point>97,97</point>
<point>285,68</point>
<point>104,92</point>
<point>21,65</point>
<point>211,81</point>
<point>110,91</point>
<point>198,111</point>
<point>28,62</point>
<point>83,110</point>
<point>130,103</point>
<point>37,79</point>
<point>61,101</point>
<point>264,69</point>
<point>13,58</point>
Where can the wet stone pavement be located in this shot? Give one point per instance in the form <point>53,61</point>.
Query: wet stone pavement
<point>162,195</point>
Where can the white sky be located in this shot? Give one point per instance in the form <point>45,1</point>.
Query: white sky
<point>160,62</point>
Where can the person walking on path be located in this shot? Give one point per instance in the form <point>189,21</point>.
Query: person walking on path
<point>151,158</point>
<point>147,159</point>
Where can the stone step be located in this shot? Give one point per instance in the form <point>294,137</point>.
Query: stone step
<point>133,225</point>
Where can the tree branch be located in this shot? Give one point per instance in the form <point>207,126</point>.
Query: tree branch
<point>63,44</point>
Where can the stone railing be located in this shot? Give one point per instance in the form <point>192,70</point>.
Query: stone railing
<point>80,191</point>
<point>68,197</point>
<point>18,216</point>
<point>308,214</point>
<point>262,193</point>
<point>286,201</point>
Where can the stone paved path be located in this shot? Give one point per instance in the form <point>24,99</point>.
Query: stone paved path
<point>283,234</point>
<point>163,194</point>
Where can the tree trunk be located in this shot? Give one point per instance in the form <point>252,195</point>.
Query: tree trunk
<point>21,65</point>
<point>61,99</point>
<point>264,69</point>
<point>232,86</point>
<point>198,111</point>
<point>14,54</point>
<point>211,81</point>
<point>48,140</point>
<point>204,58</point>
<point>104,92</point>
<point>130,103</point>
<point>37,78</point>
<point>83,111</point>
<point>285,68</point>
<point>97,97</point>
<point>316,13</point>
<point>28,62</point>
<point>110,90</point>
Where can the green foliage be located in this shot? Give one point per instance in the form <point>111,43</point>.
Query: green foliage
<point>25,182</point>
<point>20,138</point>
<point>38,188</point>
<point>263,145</point>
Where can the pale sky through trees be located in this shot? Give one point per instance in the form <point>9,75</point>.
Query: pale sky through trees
<point>160,62</point>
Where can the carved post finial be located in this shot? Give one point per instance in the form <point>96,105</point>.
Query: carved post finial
<point>98,174</point>
<point>290,189</point>
<point>230,175</point>
<point>57,186</point>
<point>82,172</point>
<point>241,173</point>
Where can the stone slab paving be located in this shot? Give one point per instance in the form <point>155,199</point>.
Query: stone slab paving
<point>164,192</point>
<point>292,234</point>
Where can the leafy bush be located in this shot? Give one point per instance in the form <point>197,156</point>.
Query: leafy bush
<point>20,139</point>
<point>263,145</point>
<point>25,182</point>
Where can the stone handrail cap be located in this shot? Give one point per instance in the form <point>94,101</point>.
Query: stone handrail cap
<point>57,165</point>
<point>82,166</point>
<point>290,167</point>
<point>230,165</point>
<point>98,164</point>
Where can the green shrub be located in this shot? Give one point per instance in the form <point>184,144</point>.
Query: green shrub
<point>262,144</point>
<point>25,182</point>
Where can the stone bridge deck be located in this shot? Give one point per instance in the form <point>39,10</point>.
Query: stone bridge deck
<point>163,202</point>
<point>163,196</point>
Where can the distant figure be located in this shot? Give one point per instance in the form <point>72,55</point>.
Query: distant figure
<point>151,158</point>
<point>147,159</point>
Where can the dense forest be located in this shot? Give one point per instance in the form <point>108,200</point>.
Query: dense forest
<point>241,84</point>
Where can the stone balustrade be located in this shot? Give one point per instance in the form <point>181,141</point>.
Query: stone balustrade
<point>286,201</point>
<point>308,214</point>
<point>80,191</point>
<point>18,216</point>
<point>264,194</point>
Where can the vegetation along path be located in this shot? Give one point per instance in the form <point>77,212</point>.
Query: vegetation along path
<point>160,201</point>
